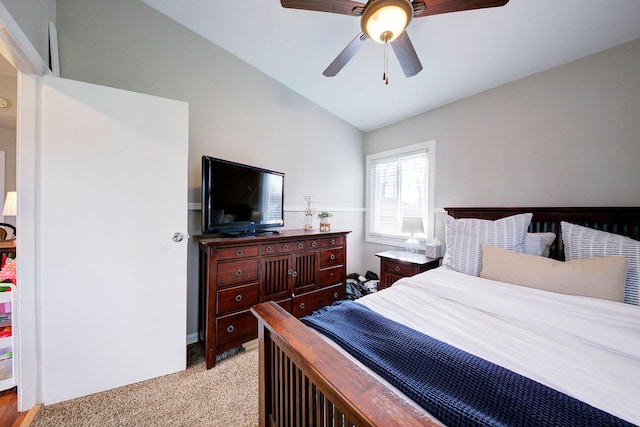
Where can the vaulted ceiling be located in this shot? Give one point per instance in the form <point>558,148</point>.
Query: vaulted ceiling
<point>463,53</point>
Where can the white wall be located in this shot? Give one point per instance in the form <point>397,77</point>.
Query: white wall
<point>569,136</point>
<point>236,112</point>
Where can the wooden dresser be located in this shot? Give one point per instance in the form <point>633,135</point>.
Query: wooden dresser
<point>300,270</point>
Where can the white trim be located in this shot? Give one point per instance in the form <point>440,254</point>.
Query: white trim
<point>332,209</point>
<point>192,338</point>
<point>20,52</point>
<point>192,206</point>
<point>28,327</point>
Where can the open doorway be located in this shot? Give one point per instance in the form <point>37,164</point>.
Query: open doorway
<point>8,172</point>
<point>8,121</point>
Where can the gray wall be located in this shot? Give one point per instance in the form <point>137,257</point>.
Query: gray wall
<point>236,112</point>
<point>33,17</point>
<point>569,136</point>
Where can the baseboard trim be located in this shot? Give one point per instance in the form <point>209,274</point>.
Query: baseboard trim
<point>31,415</point>
<point>248,346</point>
<point>192,338</point>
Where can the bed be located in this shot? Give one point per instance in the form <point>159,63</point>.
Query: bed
<point>308,379</point>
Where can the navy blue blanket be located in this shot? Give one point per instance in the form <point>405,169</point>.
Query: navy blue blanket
<point>456,387</point>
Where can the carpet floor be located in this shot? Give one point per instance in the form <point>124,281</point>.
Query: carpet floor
<point>225,396</point>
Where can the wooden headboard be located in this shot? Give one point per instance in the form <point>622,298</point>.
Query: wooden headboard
<point>618,220</point>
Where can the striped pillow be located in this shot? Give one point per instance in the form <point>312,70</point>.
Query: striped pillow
<point>464,236</point>
<point>583,242</point>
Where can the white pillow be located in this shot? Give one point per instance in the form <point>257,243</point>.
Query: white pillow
<point>583,242</point>
<point>600,277</point>
<point>539,243</point>
<point>464,236</point>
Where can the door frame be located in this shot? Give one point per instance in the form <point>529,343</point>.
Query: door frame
<point>20,52</point>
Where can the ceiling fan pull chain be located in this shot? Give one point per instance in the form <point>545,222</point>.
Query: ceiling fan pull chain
<point>385,74</point>
<point>384,68</point>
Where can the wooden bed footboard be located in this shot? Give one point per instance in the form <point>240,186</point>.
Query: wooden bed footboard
<point>305,381</point>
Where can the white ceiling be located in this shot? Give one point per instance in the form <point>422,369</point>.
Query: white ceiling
<point>462,53</point>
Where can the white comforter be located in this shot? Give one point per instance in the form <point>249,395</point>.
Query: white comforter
<point>584,347</point>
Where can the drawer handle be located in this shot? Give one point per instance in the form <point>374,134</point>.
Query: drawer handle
<point>313,244</point>
<point>294,274</point>
<point>238,298</point>
<point>239,252</point>
<point>301,306</point>
<point>285,247</point>
<point>290,272</point>
<point>230,329</point>
<point>335,295</point>
<point>332,257</point>
<point>268,249</point>
<point>333,241</point>
<point>238,273</point>
<point>397,269</point>
<point>300,246</point>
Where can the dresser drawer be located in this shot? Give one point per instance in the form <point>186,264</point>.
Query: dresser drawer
<point>241,327</point>
<point>269,249</point>
<point>308,303</point>
<point>237,298</point>
<point>398,269</point>
<point>299,245</point>
<point>236,272</point>
<point>237,252</point>
<point>332,275</point>
<point>332,241</point>
<point>285,247</point>
<point>330,257</point>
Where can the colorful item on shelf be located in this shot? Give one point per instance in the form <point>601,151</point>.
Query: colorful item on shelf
<point>5,307</point>
<point>8,273</point>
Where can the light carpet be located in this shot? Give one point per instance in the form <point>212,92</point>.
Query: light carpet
<point>226,395</point>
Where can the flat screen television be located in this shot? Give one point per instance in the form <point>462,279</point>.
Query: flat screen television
<point>239,199</point>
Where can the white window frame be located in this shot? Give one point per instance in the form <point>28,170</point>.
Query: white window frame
<point>429,147</point>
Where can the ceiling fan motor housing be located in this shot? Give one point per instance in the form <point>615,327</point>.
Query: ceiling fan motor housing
<point>383,21</point>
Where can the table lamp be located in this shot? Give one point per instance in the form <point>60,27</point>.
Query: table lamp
<point>412,224</point>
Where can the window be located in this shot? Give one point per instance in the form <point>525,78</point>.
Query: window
<point>400,183</point>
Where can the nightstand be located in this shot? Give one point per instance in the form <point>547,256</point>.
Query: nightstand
<point>395,265</point>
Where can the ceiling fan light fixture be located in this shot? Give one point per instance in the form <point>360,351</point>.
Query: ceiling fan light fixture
<point>383,21</point>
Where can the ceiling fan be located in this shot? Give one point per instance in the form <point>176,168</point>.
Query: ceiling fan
<point>385,21</point>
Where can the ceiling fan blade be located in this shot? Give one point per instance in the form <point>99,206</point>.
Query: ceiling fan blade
<point>345,56</point>
<point>435,7</point>
<point>406,55</point>
<point>344,7</point>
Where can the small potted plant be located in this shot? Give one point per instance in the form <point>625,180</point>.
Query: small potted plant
<point>325,222</point>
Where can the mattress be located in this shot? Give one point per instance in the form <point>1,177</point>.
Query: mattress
<point>584,347</point>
